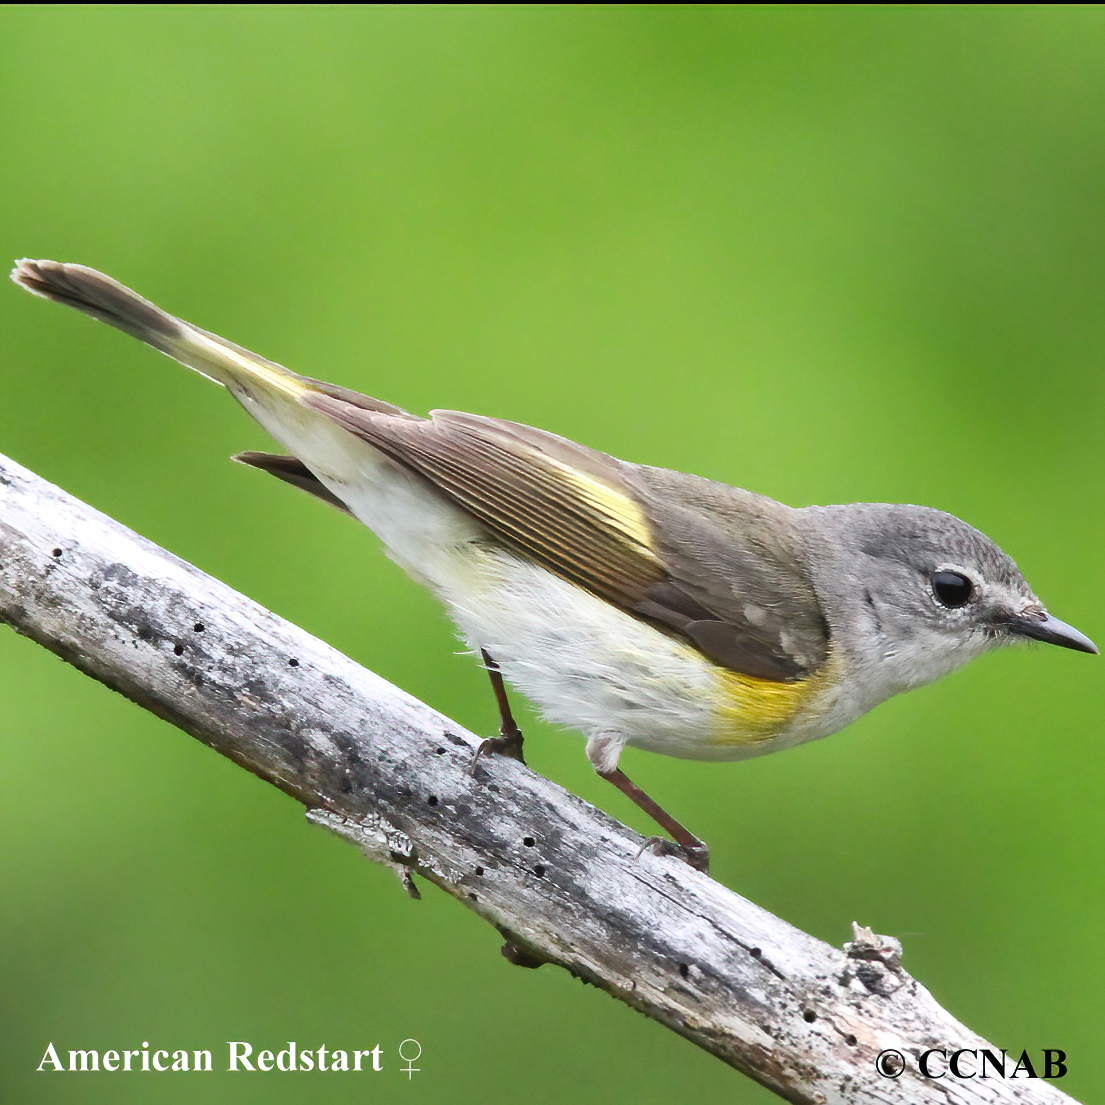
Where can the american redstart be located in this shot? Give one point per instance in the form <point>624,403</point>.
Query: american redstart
<point>638,605</point>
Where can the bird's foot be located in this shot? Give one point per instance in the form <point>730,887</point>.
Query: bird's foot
<point>509,740</point>
<point>505,744</point>
<point>697,855</point>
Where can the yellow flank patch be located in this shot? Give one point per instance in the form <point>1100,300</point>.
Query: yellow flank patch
<point>615,506</point>
<point>752,710</point>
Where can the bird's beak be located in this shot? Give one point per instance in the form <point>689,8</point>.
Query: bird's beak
<point>1053,631</point>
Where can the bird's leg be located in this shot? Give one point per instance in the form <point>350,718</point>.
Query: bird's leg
<point>509,740</point>
<point>687,846</point>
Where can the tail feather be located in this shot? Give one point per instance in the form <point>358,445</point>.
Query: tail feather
<point>329,458</point>
<point>292,471</point>
<point>101,297</point>
<point>109,301</point>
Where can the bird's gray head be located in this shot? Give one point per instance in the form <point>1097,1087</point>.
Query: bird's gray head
<point>915,592</point>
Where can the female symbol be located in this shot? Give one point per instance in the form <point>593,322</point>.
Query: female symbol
<point>410,1068</point>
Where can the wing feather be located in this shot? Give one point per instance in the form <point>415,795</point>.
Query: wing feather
<point>705,562</point>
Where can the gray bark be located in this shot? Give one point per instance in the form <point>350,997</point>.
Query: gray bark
<point>563,882</point>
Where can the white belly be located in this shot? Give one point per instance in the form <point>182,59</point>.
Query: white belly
<point>583,662</point>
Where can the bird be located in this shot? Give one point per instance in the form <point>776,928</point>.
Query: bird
<point>637,605</point>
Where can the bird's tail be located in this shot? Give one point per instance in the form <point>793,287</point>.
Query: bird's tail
<point>101,297</point>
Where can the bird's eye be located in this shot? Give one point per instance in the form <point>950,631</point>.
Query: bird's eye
<point>952,589</point>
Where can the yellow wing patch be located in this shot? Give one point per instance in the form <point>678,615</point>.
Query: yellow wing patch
<point>615,506</point>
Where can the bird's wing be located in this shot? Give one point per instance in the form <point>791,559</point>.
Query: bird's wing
<point>681,553</point>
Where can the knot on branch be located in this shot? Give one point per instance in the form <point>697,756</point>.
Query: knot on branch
<point>876,961</point>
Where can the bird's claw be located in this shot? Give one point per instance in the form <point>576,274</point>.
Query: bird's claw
<point>507,744</point>
<point>697,855</point>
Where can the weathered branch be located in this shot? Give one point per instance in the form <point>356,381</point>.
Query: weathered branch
<point>562,881</point>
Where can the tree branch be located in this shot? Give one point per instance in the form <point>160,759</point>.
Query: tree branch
<point>559,879</point>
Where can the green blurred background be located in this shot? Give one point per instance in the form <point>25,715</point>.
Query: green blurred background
<point>827,253</point>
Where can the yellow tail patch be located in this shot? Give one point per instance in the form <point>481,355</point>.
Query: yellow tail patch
<point>213,356</point>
